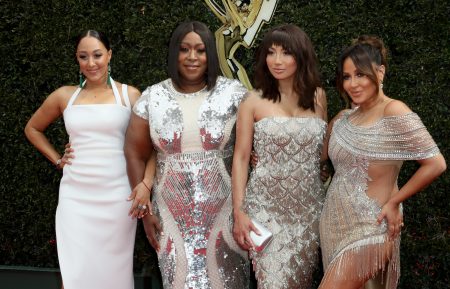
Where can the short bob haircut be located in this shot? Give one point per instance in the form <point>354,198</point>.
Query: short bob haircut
<point>212,71</point>
<point>367,53</point>
<point>96,34</point>
<point>295,42</point>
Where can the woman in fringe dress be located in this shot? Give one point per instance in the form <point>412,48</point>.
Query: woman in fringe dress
<point>362,217</point>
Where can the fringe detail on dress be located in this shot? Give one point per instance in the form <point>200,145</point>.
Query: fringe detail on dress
<point>367,258</point>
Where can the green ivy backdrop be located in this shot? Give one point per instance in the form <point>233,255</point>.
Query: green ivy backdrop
<point>37,51</point>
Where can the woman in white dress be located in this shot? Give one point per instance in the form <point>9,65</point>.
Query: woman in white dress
<point>95,234</point>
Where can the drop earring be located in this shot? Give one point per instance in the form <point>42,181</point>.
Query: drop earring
<point>81,80</point>
<point>381,85</point>
<point>108,81</point>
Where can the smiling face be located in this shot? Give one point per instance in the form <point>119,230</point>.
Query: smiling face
<point>93,58</point>
<point>357,85</point>
<point>192,62</point>
<point>282,64</point>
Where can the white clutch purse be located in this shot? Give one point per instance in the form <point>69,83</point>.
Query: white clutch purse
<point>260,241</point>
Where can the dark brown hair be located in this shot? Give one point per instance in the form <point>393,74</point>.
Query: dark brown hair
<point>365,51</point>
<point>96,34</point>
<point>212,71</point>
<point>295,41</point>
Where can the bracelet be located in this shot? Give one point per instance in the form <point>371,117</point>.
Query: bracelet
<point>145,185</point>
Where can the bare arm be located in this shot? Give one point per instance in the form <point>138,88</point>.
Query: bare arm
<point>142,191</point>
<point>137,149</point>
<point>321,104</point>
<point>133,94</point>
<point>321,109</point>
<point>244,139</point>
<point>141,164</point>
<point>140,194</point>
<point>47,113</point>
<point>428,171</point>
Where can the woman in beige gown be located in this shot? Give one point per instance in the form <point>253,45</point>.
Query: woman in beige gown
<point>362,218</point>
<point>285,121</point>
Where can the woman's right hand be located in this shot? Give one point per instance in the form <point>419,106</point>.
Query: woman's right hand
<point>68,156</point>
<point>241,230</point>
<point>140,201</point>
<point>152,228</point>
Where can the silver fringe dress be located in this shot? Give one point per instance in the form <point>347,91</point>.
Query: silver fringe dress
<point>349,234</point>
<point>194,138</point>
<point>285,194</point>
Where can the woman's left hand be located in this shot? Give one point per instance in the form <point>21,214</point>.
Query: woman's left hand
<point>68,155</point>
<point>141,205</point>
<point>394,218</point>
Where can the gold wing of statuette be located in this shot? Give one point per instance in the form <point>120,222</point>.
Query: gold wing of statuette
<point>242,20</point>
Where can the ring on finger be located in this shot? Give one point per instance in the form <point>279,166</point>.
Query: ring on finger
<point>140,207</point>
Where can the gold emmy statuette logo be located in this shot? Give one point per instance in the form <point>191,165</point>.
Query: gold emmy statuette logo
<point>242,20</point>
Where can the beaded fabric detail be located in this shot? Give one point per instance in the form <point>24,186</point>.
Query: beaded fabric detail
<point>348,231</point>
<point>285,194</point>
<point>194,138</point>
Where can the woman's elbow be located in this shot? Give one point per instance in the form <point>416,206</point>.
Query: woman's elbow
<point>442,165</point>
<point>28,130</point>
<point>437,165</point>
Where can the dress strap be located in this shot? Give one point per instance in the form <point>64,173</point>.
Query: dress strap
<point>115,92</point>
<point>125,95</point>
<point>74,95</point>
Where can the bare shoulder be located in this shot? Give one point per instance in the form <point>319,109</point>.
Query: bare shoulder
<point>250,103</point>
<point>396,108</point>
<point>252,97</point>
<point>66,90</point>
<point>133,94</point>
<point>62,94</point>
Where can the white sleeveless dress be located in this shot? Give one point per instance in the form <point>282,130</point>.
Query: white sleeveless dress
<point>95,235</point>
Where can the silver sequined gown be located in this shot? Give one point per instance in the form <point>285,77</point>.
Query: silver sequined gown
<point>285,194</point>
<point>194,138</point>
<point>349,234</point>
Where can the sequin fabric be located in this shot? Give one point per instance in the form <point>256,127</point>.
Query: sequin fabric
<point>194,137</point>
<point>285,194</point>
<point>348,230</point>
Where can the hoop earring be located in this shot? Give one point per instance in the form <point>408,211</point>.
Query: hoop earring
<point>81,79</point>
<point>108,81</point>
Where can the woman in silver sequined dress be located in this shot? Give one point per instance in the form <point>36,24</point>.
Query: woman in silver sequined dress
<point>189,120</point>
<point>362,218</point>
<point>285,120</point>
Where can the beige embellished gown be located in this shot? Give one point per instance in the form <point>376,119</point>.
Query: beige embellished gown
<point>349,234</point>
<point>285,194</point>
<point>194,138</point>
